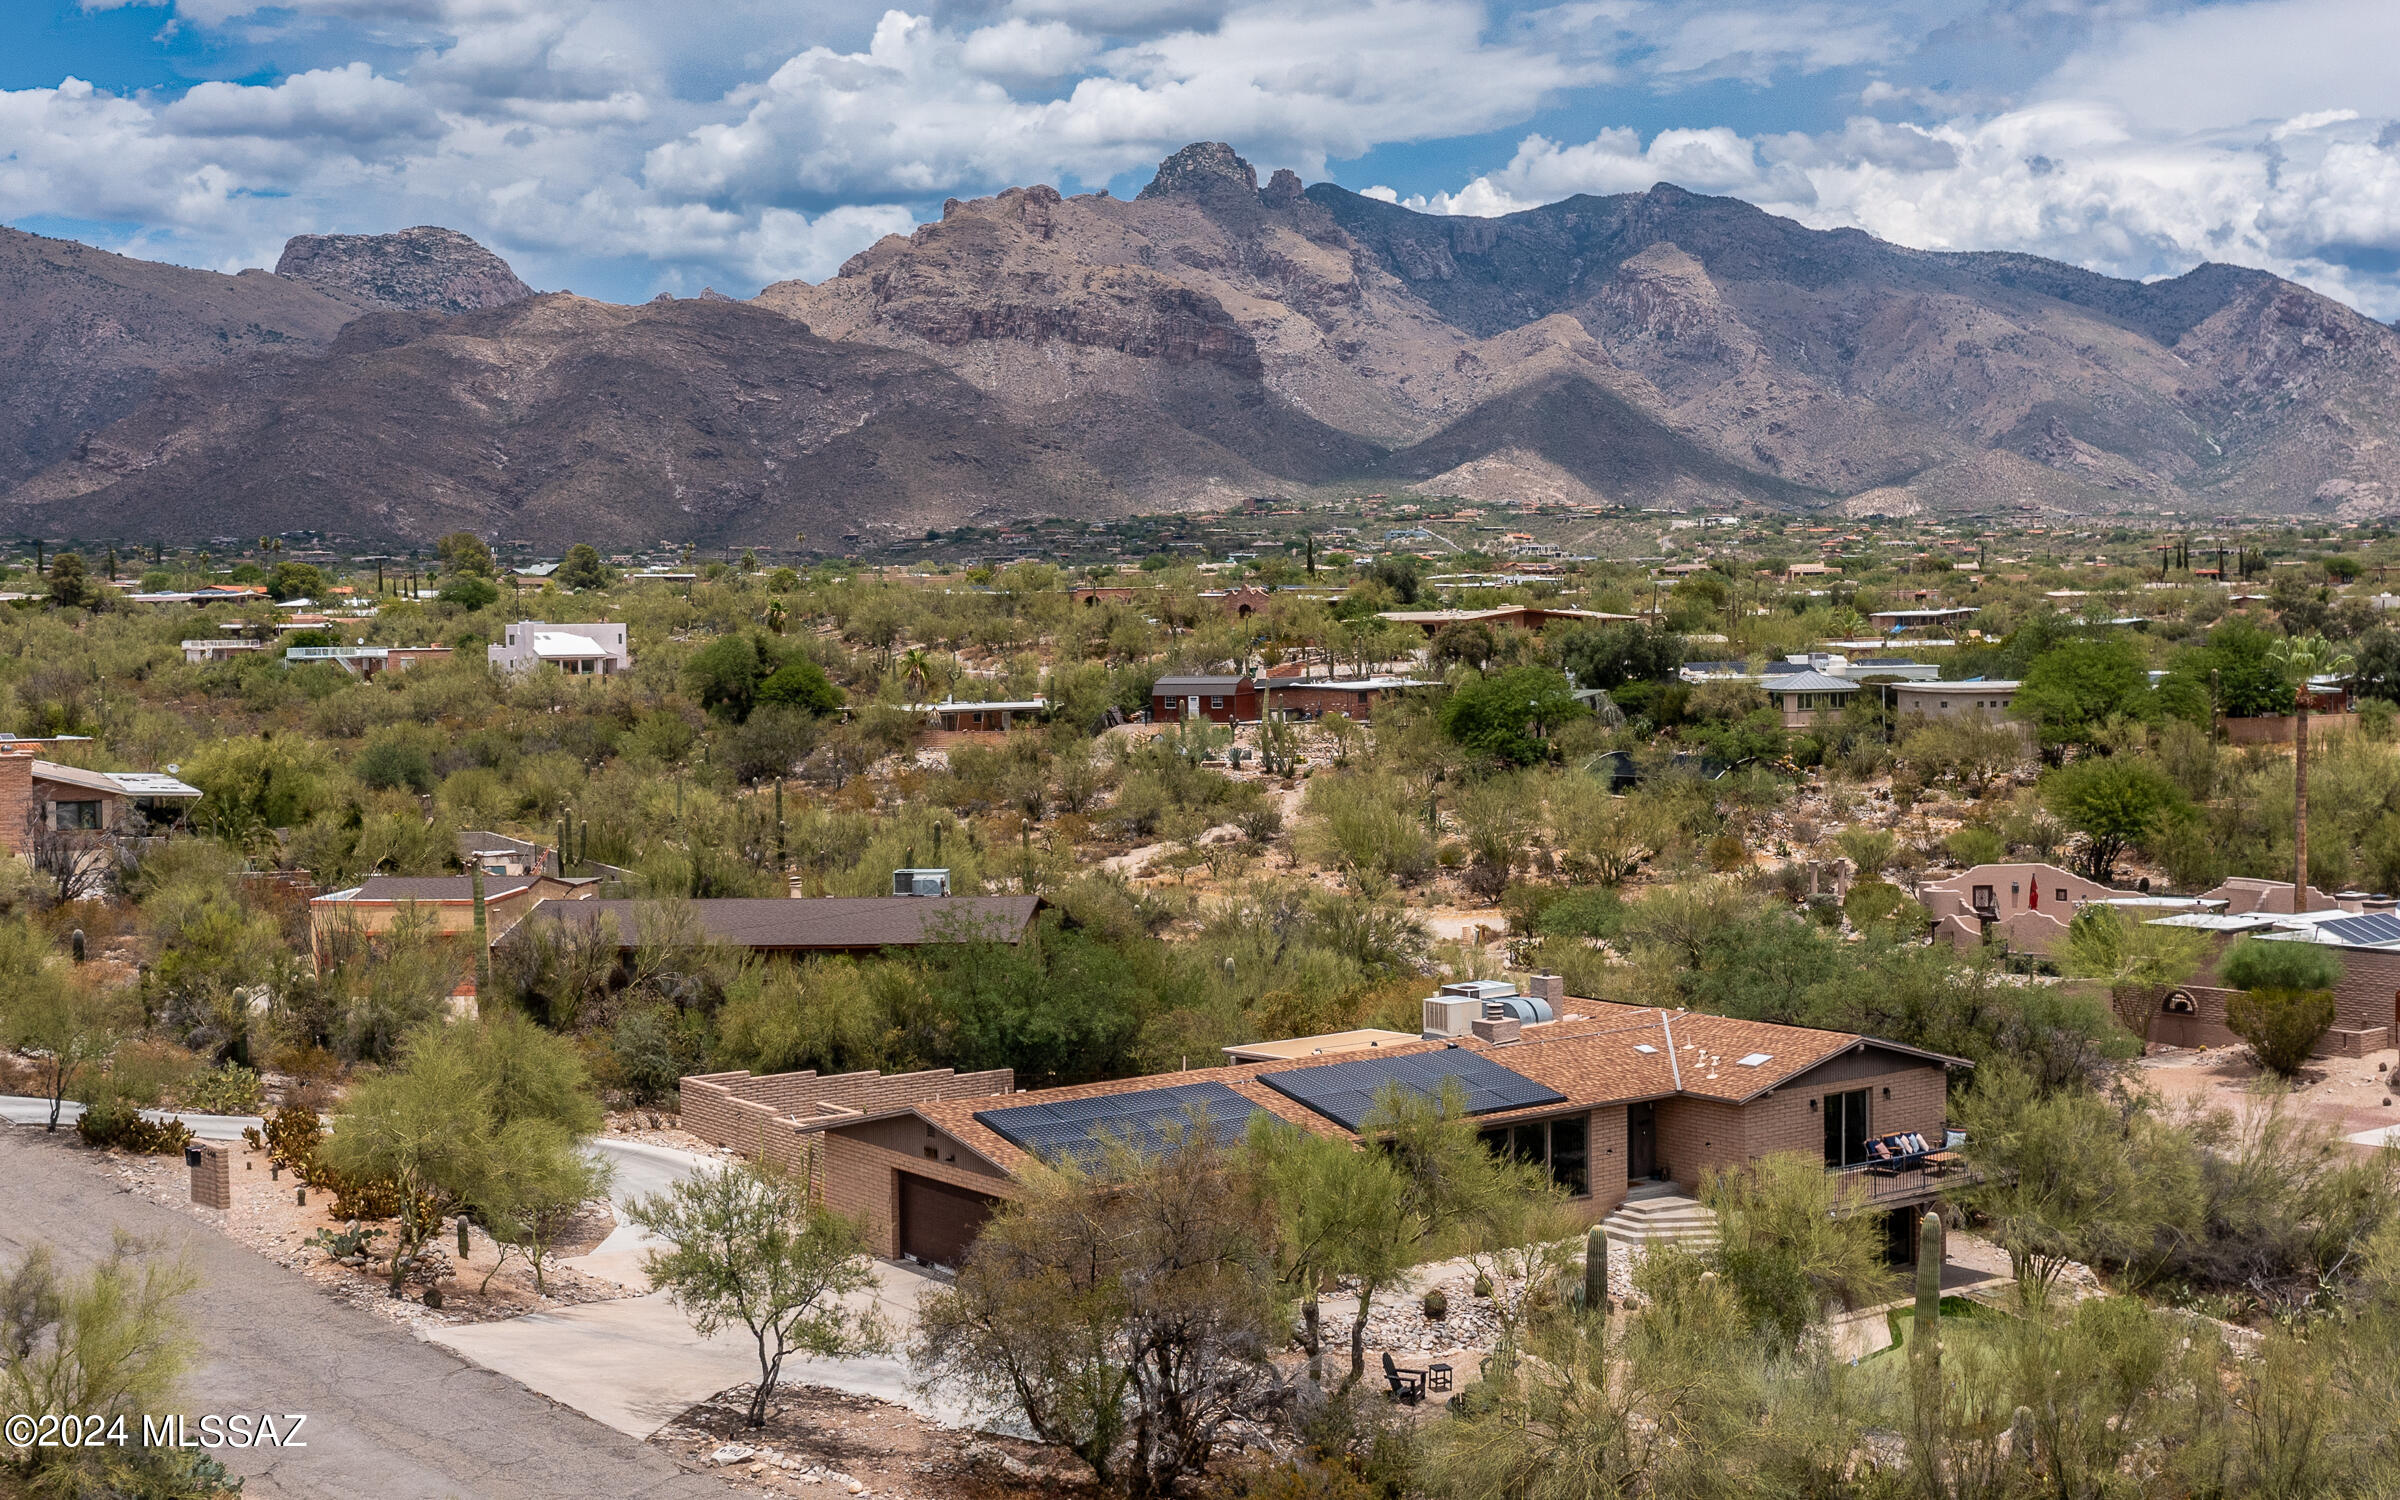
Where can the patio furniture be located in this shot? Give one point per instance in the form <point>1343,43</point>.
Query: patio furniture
<point>1943,1163</point>
<point>1437,1376</point>
<point>1407,1385</point>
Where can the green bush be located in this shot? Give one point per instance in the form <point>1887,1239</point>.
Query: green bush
<point>2278,1027</point>
<point>395,758</point>
<point>1975,846</point>
<point>2253,964</point>
<point>229,1089</point>
<point>119,1125</point>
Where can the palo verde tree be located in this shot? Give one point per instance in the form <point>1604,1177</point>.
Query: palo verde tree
<point>750,1249</point>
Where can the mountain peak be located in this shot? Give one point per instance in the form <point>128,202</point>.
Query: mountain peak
<point>425,269</point>
<point>1204,169</point>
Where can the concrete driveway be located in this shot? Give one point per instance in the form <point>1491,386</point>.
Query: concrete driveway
<point>635,1364</point>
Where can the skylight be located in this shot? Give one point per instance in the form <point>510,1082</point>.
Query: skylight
<point>1643,1047</point>
<point>1755,1059</point>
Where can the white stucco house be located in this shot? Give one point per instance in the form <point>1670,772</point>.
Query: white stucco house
<point>594,650</point>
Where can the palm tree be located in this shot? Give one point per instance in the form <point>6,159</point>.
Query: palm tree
<point>916,670</point>
<point>2301,658</point>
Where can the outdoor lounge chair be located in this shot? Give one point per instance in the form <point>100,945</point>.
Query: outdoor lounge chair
<point>1407,1385</point>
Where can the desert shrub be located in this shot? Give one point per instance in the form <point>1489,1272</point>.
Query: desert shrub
<point>118,1124</point>
<point>1726,854</point>
<point>2279,1028</point>
<point>291,1138</point>
<point>2251,964</point>
<point>1975,846</point>
<point>395,758</point>
<point>229,1089</point>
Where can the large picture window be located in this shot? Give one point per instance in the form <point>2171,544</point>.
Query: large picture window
<point>1562,1145</point>
<point>78,814</point>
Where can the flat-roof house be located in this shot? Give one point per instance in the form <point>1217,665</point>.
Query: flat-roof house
<point>39,794</point>
<point>1952,700</point>
<point>1354,696</point>
<point>951,717</point>
<point>1914,619</point>
<point>1604,1097</point>
<point>1516,616</point>
<point>591,650</point>
<point>2028,904</point>
<point>1223,700</point>
<point>2366,1003</point>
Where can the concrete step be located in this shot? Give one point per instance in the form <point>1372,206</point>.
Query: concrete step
<point>1661,1217</point>
<point>1642,1192</point>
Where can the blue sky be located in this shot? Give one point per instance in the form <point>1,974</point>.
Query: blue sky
<point>624,147</point>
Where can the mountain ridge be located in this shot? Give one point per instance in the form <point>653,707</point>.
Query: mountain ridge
<point>1031,352</point>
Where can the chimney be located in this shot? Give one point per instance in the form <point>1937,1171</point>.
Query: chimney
<point>1497,1026</point>
<point>16,797</point>
<point>1550,987</point>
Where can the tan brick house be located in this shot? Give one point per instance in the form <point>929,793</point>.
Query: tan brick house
<point>1627,1095</point>
<point>2366,1004</point>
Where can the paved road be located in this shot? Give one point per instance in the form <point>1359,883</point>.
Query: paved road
<point>391,1417</point>
<point>17,1109</point>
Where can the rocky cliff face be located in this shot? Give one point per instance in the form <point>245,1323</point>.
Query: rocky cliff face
<point>1206,340</point>
<point>85,336</point>
<point>426,269</point>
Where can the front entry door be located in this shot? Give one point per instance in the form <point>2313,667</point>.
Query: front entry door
<point>1191,708</point>
<point>1641,1142</point>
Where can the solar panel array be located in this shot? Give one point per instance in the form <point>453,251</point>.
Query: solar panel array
<point>1076,1129</point>
<point>2374,927</point>
<point>1345,1092</point>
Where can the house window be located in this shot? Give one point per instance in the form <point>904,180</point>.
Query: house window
<point>1563,1145</point>
<point>2062,893</point>
<point>1570,1155</point>
<point>1983,896</point>
<point>1846,1128</point>
<point>1945,703</point>
<point>1216,703</point>
<point>77,814</point>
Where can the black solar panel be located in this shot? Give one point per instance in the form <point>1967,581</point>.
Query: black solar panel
<point>2374,927</point>
<point>1074,1129</point>
<point>1344,1092</point>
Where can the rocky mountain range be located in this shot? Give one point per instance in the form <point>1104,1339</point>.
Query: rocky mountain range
<point>1209,339</point>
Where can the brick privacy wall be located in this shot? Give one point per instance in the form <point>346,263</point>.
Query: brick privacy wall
<point>16,796</point>
<point>2354,1033</point>
<point>756,1115</point>
<point>863,1181</point>
<point>212,1175</point>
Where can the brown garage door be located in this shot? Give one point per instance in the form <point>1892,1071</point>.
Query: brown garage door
<point>937,1221</point>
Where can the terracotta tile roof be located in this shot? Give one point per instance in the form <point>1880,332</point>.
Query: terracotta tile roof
<point>1594,1056</point>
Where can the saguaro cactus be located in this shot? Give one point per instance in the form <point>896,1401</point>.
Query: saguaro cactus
<point>1595,1269</point>
<point>1929,1282</point>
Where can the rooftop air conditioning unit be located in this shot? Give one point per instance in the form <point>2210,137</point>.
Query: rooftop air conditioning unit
<point>920,882</point>
<point>1480,989</point>
<point>1448,1015</point>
